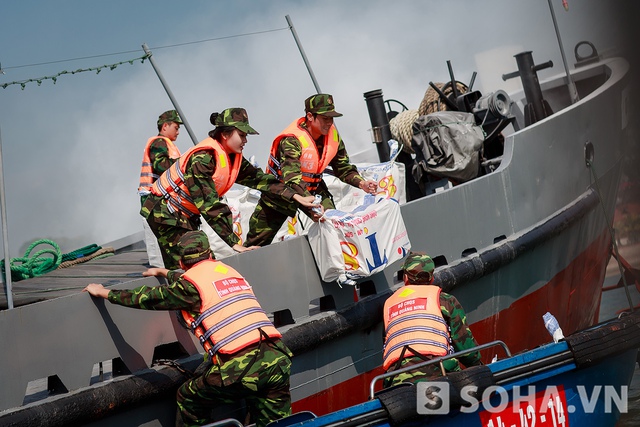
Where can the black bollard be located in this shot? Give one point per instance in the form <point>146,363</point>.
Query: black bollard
<point>537,108</point>
<point>379,122</point>
<point>381,136</point>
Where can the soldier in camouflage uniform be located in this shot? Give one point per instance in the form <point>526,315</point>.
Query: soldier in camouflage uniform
<point>159,154</point>
<point>418,270</point>
<point>169,223</point>
<point>258,373</point>
<point>285,162</point>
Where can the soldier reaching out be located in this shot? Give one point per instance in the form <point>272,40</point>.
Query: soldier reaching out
<point>248,359</point>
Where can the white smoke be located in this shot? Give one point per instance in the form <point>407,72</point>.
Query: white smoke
<point>72,150</point>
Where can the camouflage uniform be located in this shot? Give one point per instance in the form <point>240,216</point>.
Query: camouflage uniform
<point>169,226</point>
<point>158,151</point>
<point>264,385</point>
<point>418,269</point>
<point>272,211</point>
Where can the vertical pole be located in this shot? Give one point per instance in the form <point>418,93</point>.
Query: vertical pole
<point>173,100</point>
<point>5,235</point>
<point>572,86</point>
<point>379,122</point>
<point>304,57</point>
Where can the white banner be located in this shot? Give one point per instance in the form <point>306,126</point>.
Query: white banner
<point>359,243</point>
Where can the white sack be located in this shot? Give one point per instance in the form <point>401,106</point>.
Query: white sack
<point>361,242</point>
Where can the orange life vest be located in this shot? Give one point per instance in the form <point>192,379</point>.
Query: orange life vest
<point>311,164</point>
<point>412,317</point>
<point>171,185</point>
<point>147,177</point>
<point>230,316</point>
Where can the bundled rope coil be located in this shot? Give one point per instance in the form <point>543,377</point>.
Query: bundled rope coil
<point>401,127</point>
<point>431,101</point>
<point>35,265</point>
<point>95,254</point>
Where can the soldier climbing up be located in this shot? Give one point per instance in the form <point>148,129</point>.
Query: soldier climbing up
<point>247,358</point>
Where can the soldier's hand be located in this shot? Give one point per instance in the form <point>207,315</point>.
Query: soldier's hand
<point>96,290</point>
<point>156,271</point>
<point>369,186</point>
<point>318,216</point>
<point>240,248</point>
<point>306,201</point>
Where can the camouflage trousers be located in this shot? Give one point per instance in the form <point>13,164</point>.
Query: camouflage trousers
<point>264,224</point>
<point>424,373</point>
<point>168,237</point>
<point>264,386</point>
<point>266,221</point>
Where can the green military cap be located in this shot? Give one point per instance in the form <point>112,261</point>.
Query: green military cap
<point>236,117</point>
<point>169,116</point>
<point>193,245</point>
<point>418,268</point>
<point>322,104</point>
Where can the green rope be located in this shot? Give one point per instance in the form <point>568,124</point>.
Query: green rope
<point>104,256</point>
<point>39,81</point>
<point>79,253</point>
<point>34,265</point>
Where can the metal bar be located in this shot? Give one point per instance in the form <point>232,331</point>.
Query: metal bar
<point>572,86</point>
<point>444,97</point>
<point>473,79</point>
<point>225,422</point>
<point>304,56</point>
<point>454,86</point>
<point>171,97</point>
<point>5,235</point>
<point>436,360</point>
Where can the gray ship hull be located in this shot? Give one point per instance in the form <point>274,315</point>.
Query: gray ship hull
<point>528,238</point>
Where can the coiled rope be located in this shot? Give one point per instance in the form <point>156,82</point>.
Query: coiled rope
<point>401,127</point>
<point>98,254</point>
<point>431,101</point>
<point>35,265</point>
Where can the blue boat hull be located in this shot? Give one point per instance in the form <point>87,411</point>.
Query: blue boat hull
<point>582,381</point>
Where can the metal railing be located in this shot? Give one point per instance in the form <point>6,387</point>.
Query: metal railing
<point>439,360</point>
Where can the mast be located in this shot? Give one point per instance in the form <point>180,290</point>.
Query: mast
<point>5,235</point>
<point>304,56</point>
<point>572,86</point>
<point>173,100</point>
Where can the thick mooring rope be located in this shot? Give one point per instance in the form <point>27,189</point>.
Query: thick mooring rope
<point>100,253</point>
<point>431,101</point>
<point>401,128</point>
<point>35,265</point>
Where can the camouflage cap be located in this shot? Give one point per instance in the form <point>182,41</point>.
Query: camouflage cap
<point>418,268</point>
<point>193,245</point>
<point>236,117</point>
<point>322,104</point>
<point>168,117</point>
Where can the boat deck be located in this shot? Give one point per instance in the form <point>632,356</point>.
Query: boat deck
<point>125,265</point>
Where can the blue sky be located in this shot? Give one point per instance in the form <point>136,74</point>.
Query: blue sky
<point>71,151</point>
